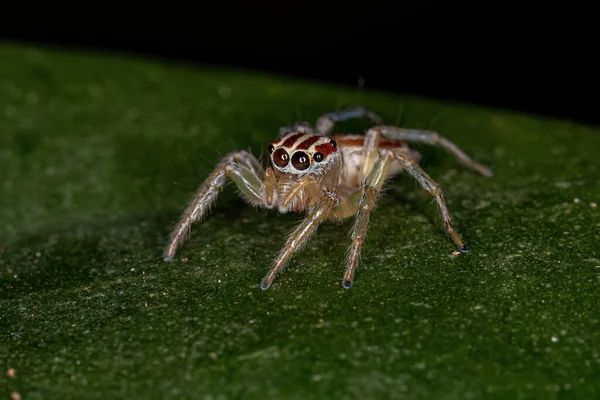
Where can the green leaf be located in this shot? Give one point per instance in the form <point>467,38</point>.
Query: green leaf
<point>100,154</point>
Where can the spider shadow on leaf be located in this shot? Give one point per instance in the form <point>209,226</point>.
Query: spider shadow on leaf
<point>83,252</point>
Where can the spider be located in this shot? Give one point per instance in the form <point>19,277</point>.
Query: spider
<point>328,177</point>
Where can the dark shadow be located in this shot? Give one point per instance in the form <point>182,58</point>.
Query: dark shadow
<point>81,253</point>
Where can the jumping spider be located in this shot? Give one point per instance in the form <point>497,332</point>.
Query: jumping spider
<point>330,177</point>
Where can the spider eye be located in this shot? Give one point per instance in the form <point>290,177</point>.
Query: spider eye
<point>271,148</point>
<point>333,143</point>
<point>300,160</point>
<point>318,157</point>
<point>281,157</point>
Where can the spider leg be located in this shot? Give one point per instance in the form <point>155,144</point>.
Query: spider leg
<point>326,122</point>
<point>434,190</point>
<point>433,138</point>
<point>361,203</point>
<point>319,213</point>
<point>300,126</point>
<point>242,168</point>
<point>370,151</point>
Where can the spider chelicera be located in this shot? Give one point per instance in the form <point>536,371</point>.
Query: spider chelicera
<point>329,177</point>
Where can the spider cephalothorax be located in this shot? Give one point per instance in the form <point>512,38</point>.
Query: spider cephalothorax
<point>329,177</point>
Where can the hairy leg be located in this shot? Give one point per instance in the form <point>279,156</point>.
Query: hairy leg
<point>237,166</point>
<point>432,138</point>
<point>370,152</point>
<point>326,122</point>
<point>435,191</point>
<point>366,201</point>
<point>300,126</point>
<point>319,213</point>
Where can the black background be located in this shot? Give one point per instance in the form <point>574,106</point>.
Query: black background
<point>535,59</point>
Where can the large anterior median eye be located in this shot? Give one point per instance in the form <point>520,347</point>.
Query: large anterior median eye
<point>300,160</point>
<point>281,157</point>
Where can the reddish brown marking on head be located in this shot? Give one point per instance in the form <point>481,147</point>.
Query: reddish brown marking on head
<point>289,142</point>
<point>327,148</point>
<point>305,145</point>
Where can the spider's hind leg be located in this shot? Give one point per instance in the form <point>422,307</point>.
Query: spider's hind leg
<point>243,169</point>
<point>299,126</point>
<point>433,138</point>
<point>326,122</point>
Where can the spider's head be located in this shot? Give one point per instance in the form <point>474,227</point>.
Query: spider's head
<point>303,153</point>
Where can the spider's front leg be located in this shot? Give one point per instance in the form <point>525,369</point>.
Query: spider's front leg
<point>319,213</point>
<point>244,169</point>
<point>361,203</point>
<point>432,138</point>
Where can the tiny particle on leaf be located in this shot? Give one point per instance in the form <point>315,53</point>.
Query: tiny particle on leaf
<point>454,254</point>
<point>11,372</point>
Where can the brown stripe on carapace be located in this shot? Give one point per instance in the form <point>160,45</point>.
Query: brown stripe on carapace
<point>289,142</point>
<point>326,149</point>
<point>359,142</point>
<point>342,142</point>
<point>305,145</point>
